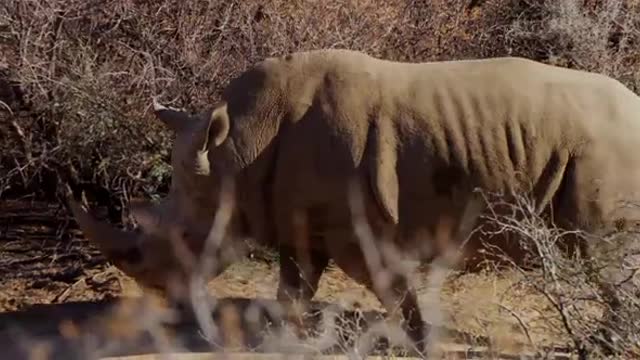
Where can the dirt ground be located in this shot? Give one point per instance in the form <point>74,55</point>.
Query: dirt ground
<point>41,265</point>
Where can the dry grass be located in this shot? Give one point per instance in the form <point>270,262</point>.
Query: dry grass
<point>515,310</point>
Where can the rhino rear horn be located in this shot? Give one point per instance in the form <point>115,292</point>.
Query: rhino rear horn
<point>107,237</point>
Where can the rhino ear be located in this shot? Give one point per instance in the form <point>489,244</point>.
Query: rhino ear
<point>383,176</point>
<point>174,119</point>
<point>146,214</point>
<point>217,128</point>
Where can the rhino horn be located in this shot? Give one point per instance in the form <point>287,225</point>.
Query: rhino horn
<point>175,119</point>
<point>108,238</point>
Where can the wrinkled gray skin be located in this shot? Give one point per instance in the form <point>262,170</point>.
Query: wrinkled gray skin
<point>294,132</point>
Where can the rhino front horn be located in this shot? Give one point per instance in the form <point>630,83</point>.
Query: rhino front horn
<point>109,239</point>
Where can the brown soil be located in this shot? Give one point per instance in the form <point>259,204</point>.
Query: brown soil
<point>42,262</point>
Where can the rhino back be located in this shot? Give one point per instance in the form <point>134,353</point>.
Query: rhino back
<point>504,124</point>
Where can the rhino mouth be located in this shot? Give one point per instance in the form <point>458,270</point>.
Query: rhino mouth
<point>132,255</point>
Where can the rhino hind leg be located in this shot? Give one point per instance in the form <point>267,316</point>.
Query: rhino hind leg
<point>396,294</point>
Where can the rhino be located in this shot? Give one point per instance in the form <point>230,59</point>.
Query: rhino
<point>297,133</point>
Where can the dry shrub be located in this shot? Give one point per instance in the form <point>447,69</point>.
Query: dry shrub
<point>600,36</point>
<point>593,300</point>
<point>78,76</point>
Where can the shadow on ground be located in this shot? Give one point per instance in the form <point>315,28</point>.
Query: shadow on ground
<point>142,325</point>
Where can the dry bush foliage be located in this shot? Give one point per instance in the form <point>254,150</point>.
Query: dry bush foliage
<point>594,300</point>
<point>77,76</point>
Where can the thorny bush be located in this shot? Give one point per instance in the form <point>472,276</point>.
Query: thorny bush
<point>77,76</point>
<point>578,289</point>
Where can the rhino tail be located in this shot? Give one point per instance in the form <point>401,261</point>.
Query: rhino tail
<point>383,176</point>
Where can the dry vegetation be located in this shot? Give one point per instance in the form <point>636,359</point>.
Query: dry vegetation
<point>77,78</point>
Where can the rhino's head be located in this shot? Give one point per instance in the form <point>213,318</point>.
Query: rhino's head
<point>160,252</point>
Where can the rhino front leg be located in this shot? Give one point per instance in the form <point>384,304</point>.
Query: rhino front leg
<point>301,266</point>
<point>301,263</point>
<point>298,283</point>
<point>299,275</point>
